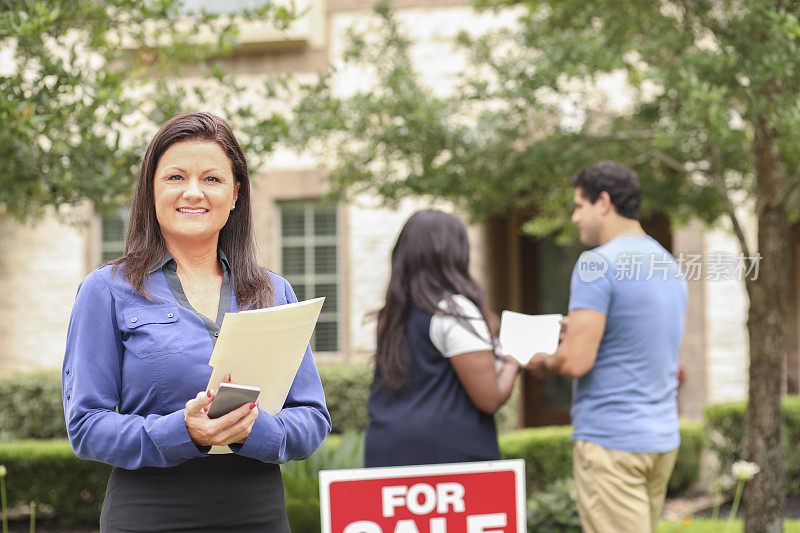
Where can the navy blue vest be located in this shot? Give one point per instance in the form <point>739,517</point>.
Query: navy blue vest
<point>430,419</point>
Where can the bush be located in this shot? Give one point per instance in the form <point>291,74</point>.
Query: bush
<point>346,392</point>
<point>554,510</point>
<point>46,471</point>
<point>687,465</point>
<point>301,478</point>
<point>547,452</point>
<point>725,425</point>
<point>31,406</point>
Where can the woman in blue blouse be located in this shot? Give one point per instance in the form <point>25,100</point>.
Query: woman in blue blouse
<point>140,337</point>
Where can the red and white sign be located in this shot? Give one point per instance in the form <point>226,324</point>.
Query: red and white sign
<point>486,497</point>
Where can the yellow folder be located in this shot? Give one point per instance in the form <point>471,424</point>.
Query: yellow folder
<point>264,348</point>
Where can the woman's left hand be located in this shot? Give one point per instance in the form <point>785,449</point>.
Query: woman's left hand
<point>232,428</point>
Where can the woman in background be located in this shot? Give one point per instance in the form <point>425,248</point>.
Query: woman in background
<point>438,379</point>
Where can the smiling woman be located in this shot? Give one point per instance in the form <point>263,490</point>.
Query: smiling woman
<point>195,191</point>
<point>140,337</point>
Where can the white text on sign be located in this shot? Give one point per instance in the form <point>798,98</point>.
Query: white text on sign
<point>422,499</point>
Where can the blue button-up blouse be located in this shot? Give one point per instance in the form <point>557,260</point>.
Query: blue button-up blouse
<point>131,364</point>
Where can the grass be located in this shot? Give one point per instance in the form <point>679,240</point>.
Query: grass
<point>699,525</point>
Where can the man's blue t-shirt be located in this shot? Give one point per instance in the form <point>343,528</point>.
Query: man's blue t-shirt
<point>627,401</point>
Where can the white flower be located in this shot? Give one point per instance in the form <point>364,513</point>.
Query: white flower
<point>744,470</point>
<point>3,471</point>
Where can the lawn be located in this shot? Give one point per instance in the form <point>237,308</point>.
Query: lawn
<point>715,526</point>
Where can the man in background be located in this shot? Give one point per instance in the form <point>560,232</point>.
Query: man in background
<point>620,343</point>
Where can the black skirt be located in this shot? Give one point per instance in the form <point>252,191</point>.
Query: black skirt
<point>217,493</point>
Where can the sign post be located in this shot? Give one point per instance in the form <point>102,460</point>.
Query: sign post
<point>485,497</point>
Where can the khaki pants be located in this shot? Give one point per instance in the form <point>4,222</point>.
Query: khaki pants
<point>620,492</point>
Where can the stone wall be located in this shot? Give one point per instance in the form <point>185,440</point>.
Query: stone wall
<point>41,265</point>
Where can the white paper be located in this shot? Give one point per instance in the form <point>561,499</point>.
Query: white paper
<point>264,348</point>
<point>523,335</point>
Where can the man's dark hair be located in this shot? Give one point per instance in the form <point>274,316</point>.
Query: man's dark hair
<point>619,181</point>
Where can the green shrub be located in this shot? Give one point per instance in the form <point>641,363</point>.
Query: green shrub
<point>301,478</point>
<point>47,471</point>
<point>547,452</point>
<point>346,392</point>
<point>687,465</point>
<point>554,510</point>
<point>725,426</point>
<point>31,406</point>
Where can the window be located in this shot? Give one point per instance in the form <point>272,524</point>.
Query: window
<point>112,234</point>
<point>309,260</point>
<point>221,8</point>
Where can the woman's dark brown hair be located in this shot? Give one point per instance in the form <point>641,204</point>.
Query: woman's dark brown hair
<point>430,264</point>
<point>144,245</point>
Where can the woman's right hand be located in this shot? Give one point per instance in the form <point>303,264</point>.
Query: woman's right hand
<point>231,428</point>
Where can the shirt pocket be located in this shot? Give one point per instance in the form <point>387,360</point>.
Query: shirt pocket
<point>152,330</point>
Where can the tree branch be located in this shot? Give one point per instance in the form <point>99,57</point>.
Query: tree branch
<point>668,160</point>
<point>719,182</point>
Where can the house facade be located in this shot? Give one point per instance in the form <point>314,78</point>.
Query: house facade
<point>341,251</point>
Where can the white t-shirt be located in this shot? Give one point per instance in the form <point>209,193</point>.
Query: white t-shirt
<point>452,337</point>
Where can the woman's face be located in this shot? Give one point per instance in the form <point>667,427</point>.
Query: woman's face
<point>194,191</point>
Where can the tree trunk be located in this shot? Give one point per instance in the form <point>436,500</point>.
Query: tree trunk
<point>765,495</point>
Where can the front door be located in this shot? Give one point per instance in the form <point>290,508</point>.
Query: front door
<point>546,270</point>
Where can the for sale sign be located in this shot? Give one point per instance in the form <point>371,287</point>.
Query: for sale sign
<point>486,497</point>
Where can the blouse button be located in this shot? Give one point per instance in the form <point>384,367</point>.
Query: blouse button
<point>170,315</point>
<point>134,319</point>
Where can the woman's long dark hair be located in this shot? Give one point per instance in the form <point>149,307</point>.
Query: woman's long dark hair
<point>144,245</point>
<point>430,263</point>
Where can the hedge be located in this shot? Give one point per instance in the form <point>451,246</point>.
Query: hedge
<point>687,465</point>
<point>48,472</point>
<point>31,406</point>
<point>725,426</point>
<point>346,388</point>
<point>547,453</point>
<point>32,402</point>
